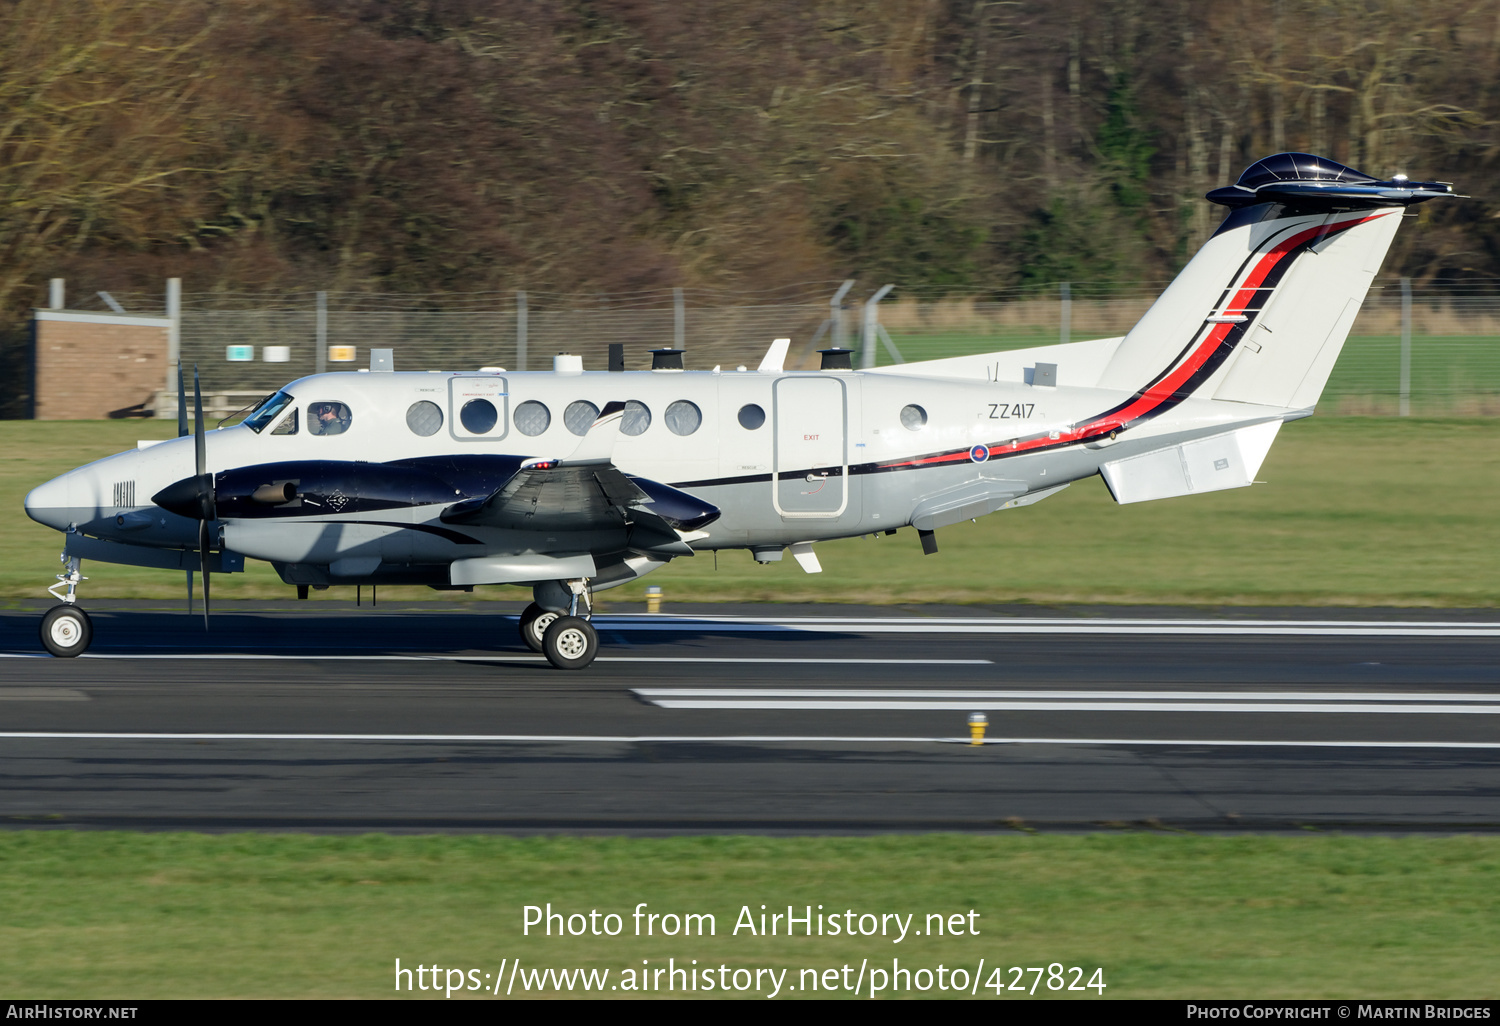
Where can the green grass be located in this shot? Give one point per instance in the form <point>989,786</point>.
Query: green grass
<point>1356,511</point>
<point>174,915</point>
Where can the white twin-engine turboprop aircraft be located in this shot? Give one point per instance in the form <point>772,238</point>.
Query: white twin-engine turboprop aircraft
<point>570,482</point>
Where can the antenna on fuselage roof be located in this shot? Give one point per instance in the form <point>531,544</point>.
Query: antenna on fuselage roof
<point>775,359</point>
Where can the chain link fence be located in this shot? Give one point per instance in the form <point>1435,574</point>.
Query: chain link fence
<point>256,342</point>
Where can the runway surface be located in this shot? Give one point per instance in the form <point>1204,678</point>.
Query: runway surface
<point>432,716</point>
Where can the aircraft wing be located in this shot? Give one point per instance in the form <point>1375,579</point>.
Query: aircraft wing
<point>553,496</point>
<point>588,495</point>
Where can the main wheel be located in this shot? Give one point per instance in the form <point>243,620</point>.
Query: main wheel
<point>534,624</point>
<point>570,643</point>
<point>66,631</point>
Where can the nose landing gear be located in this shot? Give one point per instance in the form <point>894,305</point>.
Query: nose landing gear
<point>66,630</point>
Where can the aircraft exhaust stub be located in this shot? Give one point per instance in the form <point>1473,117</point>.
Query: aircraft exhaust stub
<point>274,494</point>
<point>666,359</point>
<point>837,359</point>
<point>568,482</point>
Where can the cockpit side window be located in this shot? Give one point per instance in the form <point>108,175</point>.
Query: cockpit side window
<point>268,411</point>
<point>326,417</point>
<point>288,426</point>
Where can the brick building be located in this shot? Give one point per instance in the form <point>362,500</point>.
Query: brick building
<point>90,366</point>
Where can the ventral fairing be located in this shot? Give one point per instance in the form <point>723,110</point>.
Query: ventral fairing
<point>570,482</point>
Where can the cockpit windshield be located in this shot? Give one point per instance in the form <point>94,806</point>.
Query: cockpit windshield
<point>268,411</point>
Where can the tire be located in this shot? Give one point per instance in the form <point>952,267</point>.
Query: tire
<point>534,623</point>
<point>571,643</point>
<point>66,631</point>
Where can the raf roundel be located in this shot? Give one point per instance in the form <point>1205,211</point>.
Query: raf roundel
<point>979,453</point>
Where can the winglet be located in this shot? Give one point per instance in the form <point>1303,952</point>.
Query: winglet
<point>599,442</point>
<point>775,359</point>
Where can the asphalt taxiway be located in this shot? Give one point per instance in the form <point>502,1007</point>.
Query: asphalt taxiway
<point>432,716</point>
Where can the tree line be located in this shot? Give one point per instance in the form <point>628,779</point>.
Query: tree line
<point>950,146</point>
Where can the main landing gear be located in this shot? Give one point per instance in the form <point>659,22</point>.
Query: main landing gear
<point>568,640</point>
<point>534,624</point>
<point>571,643</point>
<point>67,630</point>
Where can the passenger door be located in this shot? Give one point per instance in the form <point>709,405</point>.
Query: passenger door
<point>809,477</point>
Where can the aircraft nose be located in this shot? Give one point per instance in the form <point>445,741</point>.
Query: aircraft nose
<point>50,504</point>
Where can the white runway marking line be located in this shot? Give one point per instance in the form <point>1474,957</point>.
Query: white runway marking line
<point>1054,625</point>
<point>1080,701</point>
<point>723,739</point>
<point>502,658</point>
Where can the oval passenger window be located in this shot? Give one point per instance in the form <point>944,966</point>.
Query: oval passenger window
<point>913,417</point>
<point>478,416</point>
<point>580,416</point>
<point>532,418</point>
<point>751,416</point>
<point>424,418</point>
<point>637,418</point>
<point>683,417</point>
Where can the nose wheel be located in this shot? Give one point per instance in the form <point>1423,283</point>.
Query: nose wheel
<point>66,631</point>
<point>570,643</point>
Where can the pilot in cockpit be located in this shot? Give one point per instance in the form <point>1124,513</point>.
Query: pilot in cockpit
<point>328,419</point>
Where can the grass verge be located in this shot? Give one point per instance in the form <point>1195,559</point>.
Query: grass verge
<point>131,915</point>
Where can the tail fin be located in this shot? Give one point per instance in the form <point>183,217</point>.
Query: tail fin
<point>1260,314</point>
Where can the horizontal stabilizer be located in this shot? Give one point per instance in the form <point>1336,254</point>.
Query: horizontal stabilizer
<point>1316,183</point>
<point>1230,460</point>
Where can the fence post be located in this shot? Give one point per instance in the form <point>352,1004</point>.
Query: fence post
<point>1405,347</point>
<point>872,318</point>
<point>679,320</point>
<point>1065,328</point>
<point>320,332</point>
<point>836,312</point>
<point>174,332</point>
<point>521,331</point>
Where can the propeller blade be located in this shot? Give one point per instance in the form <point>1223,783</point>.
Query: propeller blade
<point>200,454</point>
<point>182,425</point>
<point>200,441</point>
<point>205,489</point>
<point>203,539</point>
<point>190,592</point>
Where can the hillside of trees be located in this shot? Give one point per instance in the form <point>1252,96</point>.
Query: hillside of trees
<point>951,146</point>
